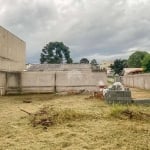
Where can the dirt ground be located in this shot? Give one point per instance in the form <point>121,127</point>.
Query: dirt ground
<point>138,93</point>
<point>100,132</point>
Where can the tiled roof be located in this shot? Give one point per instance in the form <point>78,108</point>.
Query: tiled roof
<point>132,70</point>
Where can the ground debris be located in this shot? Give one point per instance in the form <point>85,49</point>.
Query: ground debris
<point>48,116</point>
<point>27,101</point>
<point>75,92</point>
<point>25,111</point>
<point>136,115</point>
<point>96,95</point>
<point>130,114</point>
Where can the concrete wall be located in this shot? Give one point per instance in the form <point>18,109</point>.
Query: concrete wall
<point>76,80</point>
<point>45,82</point>
<point>59,67</point>
<point>12,52</point>
<point>13,80</point>
<point>37,82</point>
<point>141,81</point>
<point>2,83</point>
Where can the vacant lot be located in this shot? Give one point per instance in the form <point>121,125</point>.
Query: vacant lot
<point>102,127</point>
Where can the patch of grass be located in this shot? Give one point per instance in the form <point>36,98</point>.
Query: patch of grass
<point>49,115</point>
<point>124,112</point>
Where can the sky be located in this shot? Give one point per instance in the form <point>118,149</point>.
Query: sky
<point>93,29</point>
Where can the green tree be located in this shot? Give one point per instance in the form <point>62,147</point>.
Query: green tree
<point>135,60</point>
<point>93,62</point>
<point>94,65</point>
<point>55,53</point>
<point>84,61</point>
<point>118,66</point>
<point>146,63</point>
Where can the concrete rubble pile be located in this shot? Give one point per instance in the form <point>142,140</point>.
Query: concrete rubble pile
<point>117,93</point>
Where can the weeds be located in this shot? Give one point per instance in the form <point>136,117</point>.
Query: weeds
<point>124,112</point>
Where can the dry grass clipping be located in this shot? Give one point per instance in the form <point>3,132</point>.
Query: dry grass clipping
<point>123,112</point>
<point>48,116</point>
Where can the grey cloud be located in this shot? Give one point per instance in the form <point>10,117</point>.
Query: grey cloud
<point>91,28</point>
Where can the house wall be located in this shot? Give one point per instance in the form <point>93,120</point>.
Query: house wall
<point>12,52</point>
<point>141,81</point>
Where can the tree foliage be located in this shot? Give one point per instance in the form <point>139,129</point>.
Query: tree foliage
<point>84,61</point>
<point>94,65</point>
<point>93,62</point>
<point>146,63</point>
<point>55,53</point>
<point>118,66</point>
<point>135,60</point>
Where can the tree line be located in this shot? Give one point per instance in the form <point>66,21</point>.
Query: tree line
<point>139,59</point>
<point>57,53</point>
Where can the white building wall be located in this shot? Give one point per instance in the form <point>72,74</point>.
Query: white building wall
<point>12,52</point>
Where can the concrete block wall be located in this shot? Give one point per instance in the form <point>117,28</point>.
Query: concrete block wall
<point>46,82</point>
<point>37,82</point>
<point>2,83</point>
<point>116,96</point>
<point>77,80</point>
<point>9,82</point>
<point>141,81</point>
<point>12,52</point>
<point>59,67</point>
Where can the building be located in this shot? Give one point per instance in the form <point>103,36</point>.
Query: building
<point>15,78</point>
<point>106,64</point>
<point>12,57</point>
<point>12,52</point>
<point>131,71</point>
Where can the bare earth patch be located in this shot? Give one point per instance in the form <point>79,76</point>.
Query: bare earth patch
<point>89,127</point>
<point>138,93</point>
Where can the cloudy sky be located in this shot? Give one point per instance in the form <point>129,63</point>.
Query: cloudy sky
<point>101,29</point>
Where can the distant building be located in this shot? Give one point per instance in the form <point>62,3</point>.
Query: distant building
<point>105,65</point>
<point>130,71</point>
